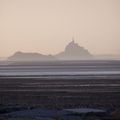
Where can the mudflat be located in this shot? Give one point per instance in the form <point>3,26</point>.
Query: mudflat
<point>60,93</point>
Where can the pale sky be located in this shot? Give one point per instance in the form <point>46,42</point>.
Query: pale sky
<point>46,26</point>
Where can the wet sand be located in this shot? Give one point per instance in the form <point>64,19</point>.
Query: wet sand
<point>60,93</point>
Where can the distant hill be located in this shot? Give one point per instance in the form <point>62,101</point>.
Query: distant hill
<point>20,56</point>
<point>74,52</point>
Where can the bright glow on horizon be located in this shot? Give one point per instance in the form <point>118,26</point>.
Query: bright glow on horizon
<point>47,26</point>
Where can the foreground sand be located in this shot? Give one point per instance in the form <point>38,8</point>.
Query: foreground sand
<point>28,98</point>
<point>60,93</point>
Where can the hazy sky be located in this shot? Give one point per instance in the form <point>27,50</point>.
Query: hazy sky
<point>46,26</point>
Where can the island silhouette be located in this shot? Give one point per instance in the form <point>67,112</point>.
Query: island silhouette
<point>72,52</point>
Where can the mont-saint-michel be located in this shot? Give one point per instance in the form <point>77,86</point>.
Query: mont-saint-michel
<point>46,74</point>
<point>72,52</point>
